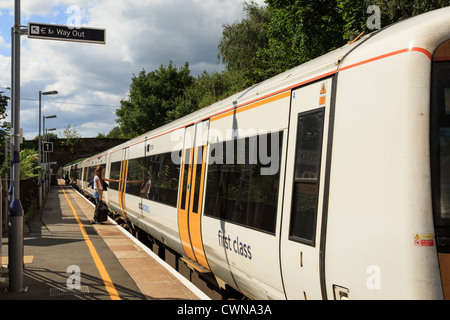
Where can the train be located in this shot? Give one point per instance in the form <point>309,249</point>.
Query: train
<point>328,181</point>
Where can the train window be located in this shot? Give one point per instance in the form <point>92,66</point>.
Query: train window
<point>242,185</point>
<point>440,146</point>
<point>155,177</point>
<point>74,173</point>
<point>187,155</point>
<point>198,175</point>
<point>92,173</point>
<point>137,178</point>
<point>115,175</point>
<point>306,179</point>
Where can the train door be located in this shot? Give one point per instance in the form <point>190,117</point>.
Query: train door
<point>301,225</point>
<point>440,159</point>
<point>85,175</point>
<point>123,182</point>
<point>147,148</point>
<point>191,191</point>
<point>105,165</point>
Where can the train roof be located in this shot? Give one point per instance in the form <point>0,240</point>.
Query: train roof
<point>423,32</point>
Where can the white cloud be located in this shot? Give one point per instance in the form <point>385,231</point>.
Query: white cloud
<point>6,4</point>
<point>91,79</point>
<point>50,7</point>
<point>5,72</point>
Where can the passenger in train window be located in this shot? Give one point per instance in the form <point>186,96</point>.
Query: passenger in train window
<point>153,177</point>
<point>145,184</point>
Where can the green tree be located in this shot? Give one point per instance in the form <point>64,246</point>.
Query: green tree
<point>298,31</point>
<point>354,15</point>
<point>50,136</point>
<point>71,138</point>
<point>207,89</point>
<point>152,96</point>
<point>28,163</point>
<point>242,40</point>
<point>115,133</point>
<point>396,10</point>
<point>5,127</point>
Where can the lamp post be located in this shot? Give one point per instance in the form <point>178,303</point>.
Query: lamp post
<point>40,142</point>
<point>43,118</point>
<point>15,212</point>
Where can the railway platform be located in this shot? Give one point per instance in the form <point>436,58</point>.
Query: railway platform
<point>66,257</point>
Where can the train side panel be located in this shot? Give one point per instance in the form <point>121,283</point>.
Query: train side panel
<point>380,197</point>
<point>129,203</point>
<point>115,191</point>
<point>241,222</point>
<point>159,207</point>
<point>304,190</point>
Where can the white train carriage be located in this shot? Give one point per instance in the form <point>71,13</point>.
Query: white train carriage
<point>329,181</point>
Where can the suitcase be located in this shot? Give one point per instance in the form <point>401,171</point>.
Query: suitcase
<point>101,212</point>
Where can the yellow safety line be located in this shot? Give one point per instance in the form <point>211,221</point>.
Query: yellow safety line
<point>98,262</point>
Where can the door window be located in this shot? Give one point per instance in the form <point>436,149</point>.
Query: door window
<point>306,176</point>
<point>239,190</point>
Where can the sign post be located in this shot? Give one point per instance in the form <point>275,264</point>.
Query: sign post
<point>15,212</point>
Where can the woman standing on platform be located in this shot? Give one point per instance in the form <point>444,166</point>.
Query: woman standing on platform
<point>99,183</point>
<point>98,187</point>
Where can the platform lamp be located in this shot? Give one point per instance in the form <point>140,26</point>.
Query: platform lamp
<point>40,143</point>
<point>45,93</point>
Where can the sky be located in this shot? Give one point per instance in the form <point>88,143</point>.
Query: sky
<point>91,79</point>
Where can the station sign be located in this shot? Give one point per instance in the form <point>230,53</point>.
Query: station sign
<point>48,147</point>
<point>66,33</point>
